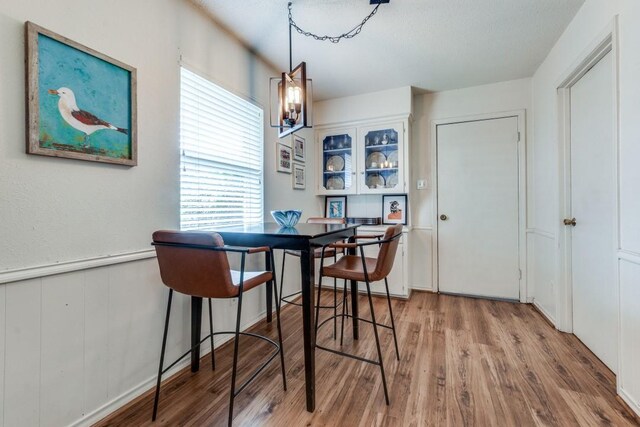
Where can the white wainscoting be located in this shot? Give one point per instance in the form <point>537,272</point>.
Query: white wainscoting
<point>541,280</point>
<point>629,368</point>
<point>78,345</point>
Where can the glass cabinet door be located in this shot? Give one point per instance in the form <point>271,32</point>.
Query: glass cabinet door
<point>337,162</point>
<point>382,159</point>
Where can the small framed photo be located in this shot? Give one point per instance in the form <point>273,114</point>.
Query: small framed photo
<point>394,209</point>
<point>299,177</point>
<point>299,148</point>
<point>283,153</point>
<point>335,206</point>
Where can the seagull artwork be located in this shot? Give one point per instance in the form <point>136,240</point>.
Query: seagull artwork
<point>79,119</point>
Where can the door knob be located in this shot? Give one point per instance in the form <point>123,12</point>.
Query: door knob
<point>444,217</point>
<point>571,222</point>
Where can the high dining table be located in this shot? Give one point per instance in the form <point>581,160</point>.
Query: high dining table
<point>304,238</point>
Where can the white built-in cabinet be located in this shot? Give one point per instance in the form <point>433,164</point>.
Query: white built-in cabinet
<point>366,159</point>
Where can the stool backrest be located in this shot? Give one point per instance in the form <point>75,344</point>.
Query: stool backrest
<point>387,252</point>
<point>194,271</point>
<point>322,220</point>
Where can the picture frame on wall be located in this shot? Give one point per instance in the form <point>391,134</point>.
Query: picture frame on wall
<point>81,103</point>
<point>394,209</point>
<point>335,206</point>
<point>299,148</point>
<point>299,177</point>
<point>283,158</point>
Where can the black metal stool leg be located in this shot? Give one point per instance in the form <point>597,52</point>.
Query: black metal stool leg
<point>284,258</point>
<point>213,354</point>
<point>393,325</point>
<point>335,300</point>
<point>164,346</point>
<point>235,359</point>
<point>344,307</point>
<point>375,332</point>
<point>278,301</point>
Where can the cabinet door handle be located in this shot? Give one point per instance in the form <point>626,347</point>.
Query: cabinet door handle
<point>444,217</point>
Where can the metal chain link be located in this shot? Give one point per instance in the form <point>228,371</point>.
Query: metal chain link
<point>333,39</point>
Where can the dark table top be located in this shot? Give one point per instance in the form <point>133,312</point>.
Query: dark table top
<point>271,234</point>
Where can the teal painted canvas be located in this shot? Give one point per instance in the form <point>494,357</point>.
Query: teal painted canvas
<point>85,101</point>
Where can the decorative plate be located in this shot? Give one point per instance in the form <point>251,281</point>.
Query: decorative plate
<point>375,180</point>
<point>335,164</point>
<point>375,160</point>
<point>335,183</point>
<point>392,180</point>
<point>392,158</point>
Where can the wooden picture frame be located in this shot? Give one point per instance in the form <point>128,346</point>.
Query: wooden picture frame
<point>335,206</point>
<point>299,177</point>
<point>394,209</point>
<point>81,104</point>
<point>299,148</point>
<point>284,159</point>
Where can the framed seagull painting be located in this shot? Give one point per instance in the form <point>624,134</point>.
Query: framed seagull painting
<point>81,104</point>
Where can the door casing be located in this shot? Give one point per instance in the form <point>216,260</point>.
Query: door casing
<point>607,42</point>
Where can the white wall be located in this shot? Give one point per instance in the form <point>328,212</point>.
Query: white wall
<point>494,98</point>
<point>75,346</point>
<point>592,19</point>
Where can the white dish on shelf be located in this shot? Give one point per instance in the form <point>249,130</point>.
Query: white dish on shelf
<point>392,180</point>
<point>392,158</point>
<point>335,164</point>
<point>375,180</point>
<point>335,183</point>
<point>375,160</point>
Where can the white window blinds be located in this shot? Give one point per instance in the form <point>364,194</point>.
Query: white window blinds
<point>221,145</point>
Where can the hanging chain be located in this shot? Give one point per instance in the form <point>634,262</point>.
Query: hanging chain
<point>333,39</point>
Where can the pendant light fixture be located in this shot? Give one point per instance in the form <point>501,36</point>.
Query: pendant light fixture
<point>292,91</point>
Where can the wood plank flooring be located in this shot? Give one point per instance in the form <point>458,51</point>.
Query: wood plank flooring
<point>464,362</point>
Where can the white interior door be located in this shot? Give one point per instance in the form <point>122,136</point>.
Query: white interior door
<point>593,189</point>
<point>478,208</point>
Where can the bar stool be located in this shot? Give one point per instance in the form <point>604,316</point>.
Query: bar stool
<point>367,270</point>
<point>328,253</point>
<point>196,264</point>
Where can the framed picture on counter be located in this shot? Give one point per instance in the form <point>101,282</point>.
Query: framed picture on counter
<point>394,209</point>
<point>335,206</point>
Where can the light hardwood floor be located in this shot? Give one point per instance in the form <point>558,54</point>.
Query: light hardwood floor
<point>463,362</point>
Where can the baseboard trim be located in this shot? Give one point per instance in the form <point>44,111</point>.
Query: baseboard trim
<point>27,273</point>
<point>629,403</point>
<point>131,396</point>
<point>545,314</point>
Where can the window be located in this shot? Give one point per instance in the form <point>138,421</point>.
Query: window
<point>221,145</point>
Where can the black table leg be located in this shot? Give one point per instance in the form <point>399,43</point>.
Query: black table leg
<point>196,326</point>
<point>307,264</point>
<point>354,297</point>
<point>269,285</point>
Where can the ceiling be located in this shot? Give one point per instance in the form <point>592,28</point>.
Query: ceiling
<point>433,45</point>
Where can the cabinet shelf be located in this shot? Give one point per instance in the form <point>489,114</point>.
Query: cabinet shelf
<point>337,150</point>
<point>380,169</point>
<point>380,146</point>
<point>334,172</point>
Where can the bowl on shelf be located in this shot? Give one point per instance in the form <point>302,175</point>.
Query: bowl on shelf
<point>286,218</point>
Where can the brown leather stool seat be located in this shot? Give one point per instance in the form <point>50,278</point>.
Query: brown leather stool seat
<point>196,264</point>
<point>326,252</point>
<point>367,270</point>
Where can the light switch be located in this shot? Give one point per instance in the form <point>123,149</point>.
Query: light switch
<point>421,184</point>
